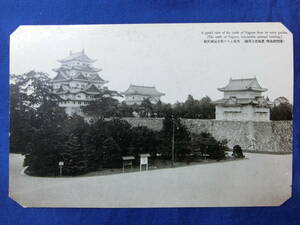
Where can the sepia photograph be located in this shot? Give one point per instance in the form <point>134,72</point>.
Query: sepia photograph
<point>151,115</point>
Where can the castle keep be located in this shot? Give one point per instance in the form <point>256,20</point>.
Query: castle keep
<point>77,82</point>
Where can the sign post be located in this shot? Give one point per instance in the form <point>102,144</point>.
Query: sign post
<point>127,161</point>
<point>61,163</point>
<point>173,141</point>
<point>144,161</point>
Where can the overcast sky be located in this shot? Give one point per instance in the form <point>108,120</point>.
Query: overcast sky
<point>171,57</point>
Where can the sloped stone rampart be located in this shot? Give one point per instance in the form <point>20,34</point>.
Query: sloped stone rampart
<point>272,136</point>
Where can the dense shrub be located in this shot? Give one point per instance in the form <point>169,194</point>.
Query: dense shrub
<point>237,152</point>
<point>206,144</point>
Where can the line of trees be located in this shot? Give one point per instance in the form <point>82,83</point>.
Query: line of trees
<point>89,147</point>
<point>105,106</point>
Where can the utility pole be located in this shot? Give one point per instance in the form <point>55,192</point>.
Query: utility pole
<point>173,141</point>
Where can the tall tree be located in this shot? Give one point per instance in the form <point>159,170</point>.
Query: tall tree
<point>74,156</point>
<point>35,107</point>
<point>207,108</point>
<point>32,104</point>
<point>195,109</point>
<point>284,111</point>
<point>105,105</point>
<point>20,116</point>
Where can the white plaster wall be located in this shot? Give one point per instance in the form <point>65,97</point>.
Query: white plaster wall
<point>56,86</point>
<point>73,110</point>
<point>137,99</point>
<point>99,86</point>
<point>241,94</point>
<point>71,104</point>
<point>77,84</point>
<point>80,96</point>
<point>244,113</point>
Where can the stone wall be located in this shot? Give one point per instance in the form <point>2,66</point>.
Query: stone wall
<point>269,136</point>
<point>152,123</point>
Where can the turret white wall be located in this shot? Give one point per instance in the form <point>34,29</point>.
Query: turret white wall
<point>137,99</point>
<point>242,113</point>
<point>241,94</point>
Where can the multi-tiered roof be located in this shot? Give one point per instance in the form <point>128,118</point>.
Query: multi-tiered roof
<point>236,86</point>
<point>77,67</point>
<point>77,56</point>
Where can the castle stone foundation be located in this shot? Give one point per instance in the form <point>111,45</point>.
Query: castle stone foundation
<point>268,136</point>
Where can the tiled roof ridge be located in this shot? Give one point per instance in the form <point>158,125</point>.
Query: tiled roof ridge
<point>133,85</point>
<point>253,78</point>
<point>241,84</point>
<point>77,55</point>
<point>142,90</point>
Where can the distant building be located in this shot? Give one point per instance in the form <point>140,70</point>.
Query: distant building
<point>77,82</point>
<point>243,101</point>
<point>281,100</point>
<point>136,94</point>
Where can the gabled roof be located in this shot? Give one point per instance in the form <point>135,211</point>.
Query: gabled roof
<point>243,85</point>
<point>78,68</point>
<point>85,68</point>
<point>63,89</point>
<point>142,90</point>
<point>60,90</point>
<point>59,76</point>
<point>96,78</point>
<point>78,56</point>
<point>62,69</point>
<point>92,89</point>
<point>80,76</point>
